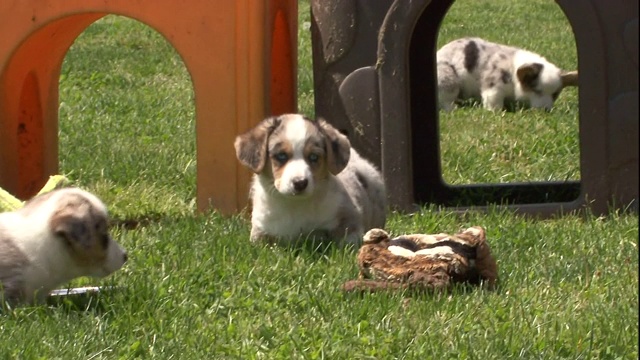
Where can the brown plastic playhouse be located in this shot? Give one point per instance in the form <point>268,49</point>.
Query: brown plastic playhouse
<point>371,78</point>
<point>241,56</point>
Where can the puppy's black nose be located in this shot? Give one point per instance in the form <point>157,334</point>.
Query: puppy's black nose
<point>300,184</point>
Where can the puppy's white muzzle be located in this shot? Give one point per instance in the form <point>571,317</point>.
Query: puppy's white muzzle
<point>296,180</point>
<point>116,257</point>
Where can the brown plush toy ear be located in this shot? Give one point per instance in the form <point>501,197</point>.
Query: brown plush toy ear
<point>569,78</point>
<point>528,74</point>
<point>251,147</point>
<point>338,147</point>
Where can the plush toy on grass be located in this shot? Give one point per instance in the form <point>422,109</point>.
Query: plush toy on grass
<point>423,261</point>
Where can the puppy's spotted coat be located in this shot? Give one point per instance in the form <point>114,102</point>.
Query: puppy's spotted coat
<point>476,68</point>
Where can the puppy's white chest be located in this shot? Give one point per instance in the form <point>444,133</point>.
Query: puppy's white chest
<point>291,219</point>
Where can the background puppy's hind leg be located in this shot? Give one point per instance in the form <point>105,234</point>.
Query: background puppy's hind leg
<point>447,101</point>
<point>259,237</point>
<point>448,86</point>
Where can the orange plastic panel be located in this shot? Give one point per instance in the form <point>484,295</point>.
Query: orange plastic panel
<point>241,56</point>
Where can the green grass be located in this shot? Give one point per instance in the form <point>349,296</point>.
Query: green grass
<point>195,288</point>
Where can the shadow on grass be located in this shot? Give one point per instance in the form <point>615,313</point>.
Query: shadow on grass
<point>145,220</point>
<point>318,246</point>
<point>135,223</point>
<point>362,287</point>
<point>510,106</point>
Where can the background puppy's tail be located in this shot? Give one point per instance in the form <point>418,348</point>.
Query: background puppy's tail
<point>569,78</point>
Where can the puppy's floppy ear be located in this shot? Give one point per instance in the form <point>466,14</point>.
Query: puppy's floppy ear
<point>528,74</point>
<point>72,221</point>
<point>338,147</point>
<point>251,147</point>
<point>569,78</point>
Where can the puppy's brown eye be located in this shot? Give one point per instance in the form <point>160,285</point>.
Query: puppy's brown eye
<point>281,157</point>
<point>313,158</point>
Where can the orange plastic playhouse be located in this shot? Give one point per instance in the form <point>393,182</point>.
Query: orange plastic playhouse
<point>241,56</point>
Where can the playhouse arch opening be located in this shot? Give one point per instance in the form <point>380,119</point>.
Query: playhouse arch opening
<point>520,172</point>
<point>139,96</point>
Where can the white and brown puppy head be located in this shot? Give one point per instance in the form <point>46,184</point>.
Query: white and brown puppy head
<point>79,220</point>
<point>293,152</point>
<point>540,82</point>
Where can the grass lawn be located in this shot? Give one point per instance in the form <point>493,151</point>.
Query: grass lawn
<point>195,288</point>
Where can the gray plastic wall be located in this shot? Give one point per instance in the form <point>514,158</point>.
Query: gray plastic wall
<point>366,85</point>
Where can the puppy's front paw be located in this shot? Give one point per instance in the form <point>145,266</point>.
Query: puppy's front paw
<point>259,237</point>
<point>492,102</point>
